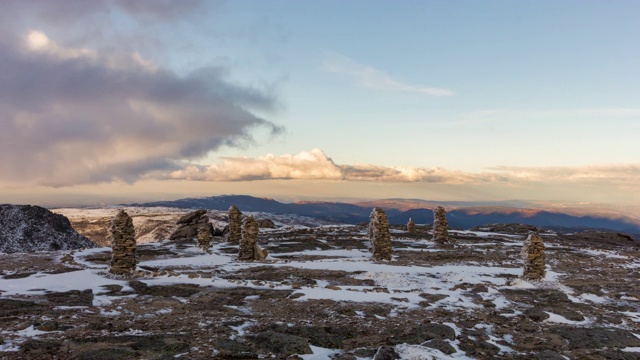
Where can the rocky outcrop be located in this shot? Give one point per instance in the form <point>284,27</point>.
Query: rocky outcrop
<point>411,226</point>
<point>379,235</point>
<point>189,225</point>
<point>440,230</point>
<point>235,225</point>
<point>123,244</point>
<point>533,256</point>
<point>249,249</point>
<point>266,224</point>
<point>26,228</point>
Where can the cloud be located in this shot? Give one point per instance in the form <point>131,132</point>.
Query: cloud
<point>372,78</point>
<point>72,115</point>
<point>316,165</point>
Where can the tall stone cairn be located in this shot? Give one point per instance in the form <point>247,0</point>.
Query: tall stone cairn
<point>379,235</point>
<point>204,238</point>
<point>440,230</point>
<point>411,226</point>
<point>235,225</point>
<point>123,244</point>
<point>533,256</point>
<point>249,249</point>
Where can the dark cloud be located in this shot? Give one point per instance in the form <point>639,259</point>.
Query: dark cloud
<point>71,114</point>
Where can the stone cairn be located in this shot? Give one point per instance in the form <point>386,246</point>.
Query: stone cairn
<point>249,249</point>
<point>204,238</point>
<point>235,225</point>
<point>411,227</point>
<point>189,226</point>
<point>533,256</point>
<point>440,230</point>
<point>379,235</point>
<point>123,244</point>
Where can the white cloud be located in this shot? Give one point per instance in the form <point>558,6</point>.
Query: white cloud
<point>372,78</point>
<point>316,165</point>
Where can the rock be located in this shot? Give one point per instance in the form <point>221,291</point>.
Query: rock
<point>123,244</point>
<point>48,326</point>
<point>411,227</point>
<point>533,255</point>
<point>249,249</point>
<point>281,344</point>
<point>205,236</point>
<point>386,353</point>
<point>71,298</point>
<point>536,314</point>
<point>379,235</point>
<point>190,224</point>
<point>440,230</point>
<point>546,355</point>
<point>235,225</point>
<point>441,345</point>
<point>26,228</point>
<point>266,224</point>
<point>426,332</point>
<point>595,338</point>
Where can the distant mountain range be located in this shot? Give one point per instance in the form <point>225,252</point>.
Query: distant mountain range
<point>460,214</point>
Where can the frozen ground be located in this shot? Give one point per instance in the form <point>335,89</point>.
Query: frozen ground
<point>320,296</point>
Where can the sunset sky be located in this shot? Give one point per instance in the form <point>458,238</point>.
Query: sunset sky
<point>114,101</point>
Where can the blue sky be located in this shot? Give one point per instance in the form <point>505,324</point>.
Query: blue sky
<point>490,99</point>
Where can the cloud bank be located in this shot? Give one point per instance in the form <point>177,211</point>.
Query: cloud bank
<point>79,114</point>
<point>316,165</point>
<point>372,78</point>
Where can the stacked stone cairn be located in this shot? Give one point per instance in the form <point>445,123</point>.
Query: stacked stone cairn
<point>189,226</point>
<point>533,256</point>
<point>411,227</point>
<point>235,225</point>
<point>204,238</point>
<point>249,249</point>
<point>440,230</point>
<point>379,235</point>
<point>123,244</point>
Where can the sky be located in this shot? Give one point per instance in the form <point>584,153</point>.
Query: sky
<point>114,101</point>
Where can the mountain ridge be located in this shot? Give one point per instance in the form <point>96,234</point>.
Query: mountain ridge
<point>459,216</point>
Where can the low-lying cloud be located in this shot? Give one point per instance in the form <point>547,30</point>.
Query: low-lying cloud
<point>316,165</point>
<point>78,114</point>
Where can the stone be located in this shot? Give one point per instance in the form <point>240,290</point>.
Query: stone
<point>533,255</point>
<point>123,245</point>
<point>441,345</point>
<point>411,227</point>
<point>235,225</point>
<point>190,224</point>
<point>205,235</point>
<point>440,230</point>
<point>379,235</point>
<point>249,249</point>
<point>266,224</point>
<point>386,353</point>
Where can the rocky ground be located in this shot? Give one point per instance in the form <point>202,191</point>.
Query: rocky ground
<point>318,296</point>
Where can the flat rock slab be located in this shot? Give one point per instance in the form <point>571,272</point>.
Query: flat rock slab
<point>596,338</point>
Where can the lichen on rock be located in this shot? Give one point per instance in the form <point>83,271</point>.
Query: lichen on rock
<point>379,235</point>
<point>123,244</point>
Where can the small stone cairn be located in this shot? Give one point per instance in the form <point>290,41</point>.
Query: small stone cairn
<point>440,230</point>
<point>189,226</point>
<point>249,249</point>
<point>235,225</point>
<point>123,244</point>
<point>379,235</point>
<point>411,227</point>
<point>533,256</point>
<point>204,238</point>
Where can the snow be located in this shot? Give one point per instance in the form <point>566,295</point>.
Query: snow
<point>320,353</point>
<point>417,352</point>
<point>555,318</point>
